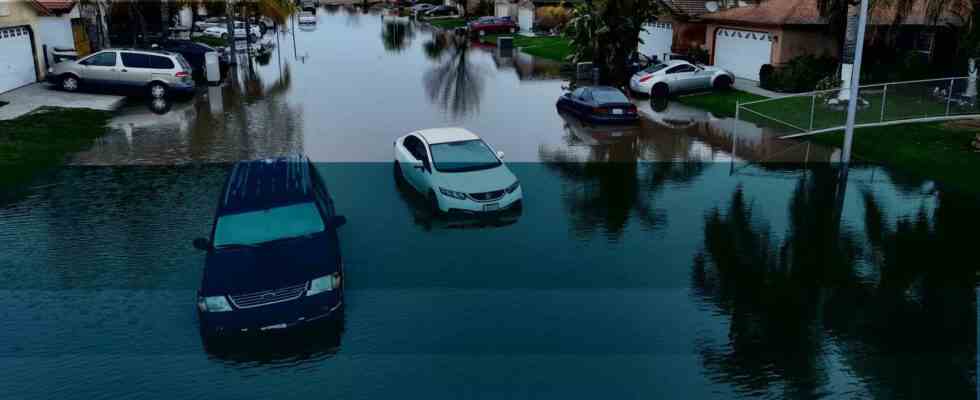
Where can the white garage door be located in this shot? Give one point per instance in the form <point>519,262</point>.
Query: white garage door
<point>525,19</point>
<point>657,39</point>
<point>742,52</point>
<point>17,61</point>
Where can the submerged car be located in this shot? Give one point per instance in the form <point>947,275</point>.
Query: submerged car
<point>157,73</point>
<point>456,171</point>
<point>678,76</point>
<point>599,104</point>
<point>193,52</point>
<point>273,259</point>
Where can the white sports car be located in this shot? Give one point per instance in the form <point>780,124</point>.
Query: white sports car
<point>677,76</point>
<point>222,31</point>
<point>456,171</point>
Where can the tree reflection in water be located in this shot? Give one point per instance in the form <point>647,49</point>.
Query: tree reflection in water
<point>894,305</point>
<point>454,84</point>
<point>397,35</point>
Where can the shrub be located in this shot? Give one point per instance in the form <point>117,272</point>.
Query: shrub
<point>551,17</point>
<point>484,8</point>
<point>800,74</point>
<point>697,55</point>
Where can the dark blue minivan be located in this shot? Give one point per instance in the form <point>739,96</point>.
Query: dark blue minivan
<point>273,259</point>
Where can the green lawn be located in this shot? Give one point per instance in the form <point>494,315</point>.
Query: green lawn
<point>447,23</point>
<point>211,41</point>
<point>555,48</point>
<point>43,139</point>
<point>933,150</point>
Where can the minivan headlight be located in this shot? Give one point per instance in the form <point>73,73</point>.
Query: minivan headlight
<point>452,193</point>
<point>324,284</point>
<point>213,304</point>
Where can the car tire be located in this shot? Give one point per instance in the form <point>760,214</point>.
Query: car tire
<point>69,83</point>
<point>660,90</point>
<point>224,36</point>
<point>723,83</point>
<point>157,90</point>
<point>397,172</point>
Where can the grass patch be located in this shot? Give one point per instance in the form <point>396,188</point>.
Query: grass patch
<point>721,104</point>
<point>447,23</point>
<point>41,140</point>
<point>934,150</point>
<point>211,41</point>
<point>556,48</point>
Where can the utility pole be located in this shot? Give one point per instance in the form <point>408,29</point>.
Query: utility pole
<point>230,18</point>
<point>852,102</point>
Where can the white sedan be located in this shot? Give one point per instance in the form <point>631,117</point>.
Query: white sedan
<point>456,171</point>
<point>222,31</point>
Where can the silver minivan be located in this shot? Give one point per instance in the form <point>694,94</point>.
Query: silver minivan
<point>157,73</point>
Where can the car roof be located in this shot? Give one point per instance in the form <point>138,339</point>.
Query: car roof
<point>446,135</point>
<point>264,184</point>
<point>146,51</point>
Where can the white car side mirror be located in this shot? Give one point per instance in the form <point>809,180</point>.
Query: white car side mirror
<point>500,155</point>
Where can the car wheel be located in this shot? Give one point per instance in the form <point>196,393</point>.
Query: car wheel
<point>69,83</point>
<point>723,83</point>
<point>434,204</point>
<point>224,36</point>
<point>398,173</point>
<point>158,90</point>
<point>660,90</point>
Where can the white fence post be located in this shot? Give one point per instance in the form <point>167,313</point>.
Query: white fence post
<point>949,96</point>
<point>813,108</point>
<point>884,98</point>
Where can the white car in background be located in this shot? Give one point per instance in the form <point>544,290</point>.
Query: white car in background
<point>456,171</point>
<point>222,31</point>
<point>307,18</point>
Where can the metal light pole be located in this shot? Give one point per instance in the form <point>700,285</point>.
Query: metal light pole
<point>230,17</point>
<point>855,83</point>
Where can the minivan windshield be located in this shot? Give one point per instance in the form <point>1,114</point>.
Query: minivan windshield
<point>468,155</point>
<point>261,226</point>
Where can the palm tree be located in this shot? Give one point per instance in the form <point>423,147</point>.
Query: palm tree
<point>607,32</point>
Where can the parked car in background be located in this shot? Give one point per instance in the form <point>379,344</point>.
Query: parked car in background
<point>193,52</point>
<point>599,104</point>
<point>441,11</point>
<point>307,18</point>
<point>200,26</point>
<point>273,258</point>
<point>456,172</point>
<point>240,33</point>
<point>422,8</point>
<point>156,73</point>
<point>492,25</point>
<point>678,76</point>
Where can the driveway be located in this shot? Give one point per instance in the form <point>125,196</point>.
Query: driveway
<point>37,95</point>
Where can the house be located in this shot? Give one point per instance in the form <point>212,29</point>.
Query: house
<point>20,51</point>
<point>525,11</point>
<point>743,39</point>
<point>30,30</point>
<point>678,28</point>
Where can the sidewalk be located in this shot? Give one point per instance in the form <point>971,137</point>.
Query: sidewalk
<point>34,96</point>
<point>746,85</point>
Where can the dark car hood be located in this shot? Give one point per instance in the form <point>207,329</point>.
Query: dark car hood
<point>247,270</point>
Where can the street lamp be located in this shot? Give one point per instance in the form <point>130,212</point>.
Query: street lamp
<point>852,101</point>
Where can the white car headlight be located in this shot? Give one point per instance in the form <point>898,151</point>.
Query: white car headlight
<point>213,304</point>
<point>452,193</point>
<point>324,284</point>
<point>512,188</point>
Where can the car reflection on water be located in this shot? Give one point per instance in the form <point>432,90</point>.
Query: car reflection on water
<point>273,258</point>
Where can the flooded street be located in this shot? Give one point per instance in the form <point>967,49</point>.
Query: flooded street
<point>645,264</point>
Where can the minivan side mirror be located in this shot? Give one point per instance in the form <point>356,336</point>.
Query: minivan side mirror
<point>337,221</point>
<point>202,244</point>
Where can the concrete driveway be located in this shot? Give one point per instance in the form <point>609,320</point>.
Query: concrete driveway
<point>34,96</point>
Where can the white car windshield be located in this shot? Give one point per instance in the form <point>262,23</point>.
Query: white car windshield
<point>469,155</point>
<point>256,227</point>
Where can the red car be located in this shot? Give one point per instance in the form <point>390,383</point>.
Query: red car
<point>492,25</point>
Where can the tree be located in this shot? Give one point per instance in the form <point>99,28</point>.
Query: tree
<point>607,32</point>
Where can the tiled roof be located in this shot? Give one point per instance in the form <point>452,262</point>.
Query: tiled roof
<point>53,7</point>
<point>691,8</point>
<point>805,12</point>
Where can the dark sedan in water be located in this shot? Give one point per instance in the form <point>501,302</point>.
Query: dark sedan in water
<point>273,260</point>
<point>599,104</point>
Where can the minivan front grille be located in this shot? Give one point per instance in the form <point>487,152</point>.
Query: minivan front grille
<point>488,196</point>
<point>263,298</point>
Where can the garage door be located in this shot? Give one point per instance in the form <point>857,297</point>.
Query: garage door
<point>657,39</point>
<point>742,52</point>
<point>17,63</point>
<point>525,19</point>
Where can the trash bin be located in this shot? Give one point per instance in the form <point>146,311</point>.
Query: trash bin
<point>59,54</point>
<point>505,42</point>
<point>212,67</point>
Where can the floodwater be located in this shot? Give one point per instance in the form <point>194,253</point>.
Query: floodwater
<point>645,264</point>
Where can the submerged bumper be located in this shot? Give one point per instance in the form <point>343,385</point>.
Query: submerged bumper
<point>272,317</point>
